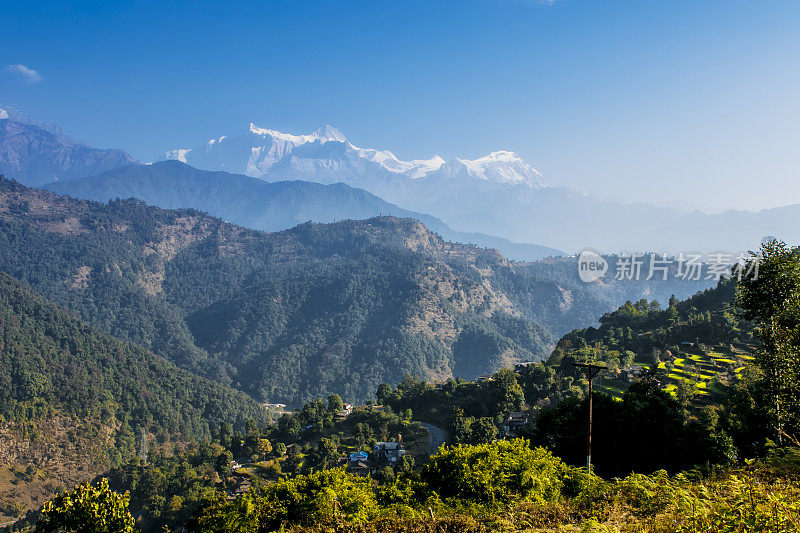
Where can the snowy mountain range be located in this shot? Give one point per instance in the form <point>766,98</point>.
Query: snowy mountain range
<point>328,156</point>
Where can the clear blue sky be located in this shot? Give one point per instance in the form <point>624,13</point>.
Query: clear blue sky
<point>694,101</point>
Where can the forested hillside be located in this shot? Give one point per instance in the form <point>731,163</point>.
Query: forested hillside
<point>298,314</point>
<point>690,360</point>
<point>74,401</point>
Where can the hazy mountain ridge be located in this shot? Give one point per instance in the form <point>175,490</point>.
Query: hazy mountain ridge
<point>286,316</point>
<point>265,206</point>
<point>36,153</point>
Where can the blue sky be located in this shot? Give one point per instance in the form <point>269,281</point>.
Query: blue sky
<point>691,102</point>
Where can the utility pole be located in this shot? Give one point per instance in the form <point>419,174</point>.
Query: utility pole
<point>590,371</point>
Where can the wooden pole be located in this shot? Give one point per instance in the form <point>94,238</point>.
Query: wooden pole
<point>589,443</point>
<point>590,371</point>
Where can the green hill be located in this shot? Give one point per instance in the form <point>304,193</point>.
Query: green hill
<point>302,313</point>
<point>257,204</point>
<point>53,362</point>
<point>74,401</point>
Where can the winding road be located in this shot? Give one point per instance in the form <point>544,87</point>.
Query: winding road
<point>437,437</point>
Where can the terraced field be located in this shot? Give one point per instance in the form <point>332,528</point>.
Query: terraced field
<point>708,370</point>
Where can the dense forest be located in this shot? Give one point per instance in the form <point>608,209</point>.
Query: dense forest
<point>53,362</point>
<point>75,401</point>
<point>298,314</point>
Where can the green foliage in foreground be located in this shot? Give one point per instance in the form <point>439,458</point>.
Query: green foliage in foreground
<point>496,473</point>
<point>305,500</point>
<point>508,486</point>
<point>488,477</point>
<point>87,509</point>
<point>499,486</point>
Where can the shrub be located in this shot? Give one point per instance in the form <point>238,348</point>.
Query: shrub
<point>304,500</point>
<point>88,508</point>
<point>496,473</point>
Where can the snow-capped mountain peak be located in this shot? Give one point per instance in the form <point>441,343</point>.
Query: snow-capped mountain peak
<point>329,133</point>
<point>329,156</point>
<point>178,154</point>
<point>501,167</point>
<point>325,134</point>
<point>414,169</point>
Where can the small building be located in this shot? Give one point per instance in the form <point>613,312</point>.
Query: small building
<point>358,464</point>
<point>514,423</point>
<point>242,485</point>
<point>523,365</point>
<point>277,408</point>
<point>344,413</point>
<point>359,468</point>
<point>631,373</point>
<point>481,379</point>
<point>388,453</point>
<point>358,456</point>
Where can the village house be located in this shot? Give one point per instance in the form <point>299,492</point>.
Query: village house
<point>514,423</point>
<point>631,373</point>
<point>388,453</point>
<point>358,463</point>
<point>344,413</point>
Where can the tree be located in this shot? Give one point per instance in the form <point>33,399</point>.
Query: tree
<point>326,454</point>
<point>264,448</point>
<point>496,473</point>
<point>772,300</point>
<point>405,465</point>
<point>483,431</point>
<point>304,500</point>
<point>385,475</point>
<point>384,392</point>
<point>335,403</point>
<point>223,462</point>
<point>87,509</point>
<point>508,394</point>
